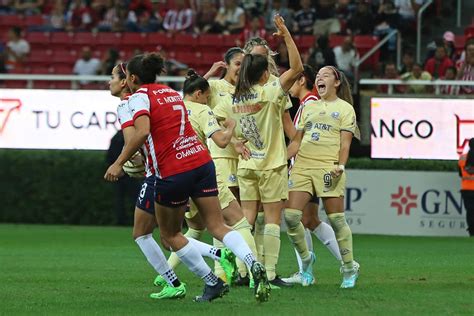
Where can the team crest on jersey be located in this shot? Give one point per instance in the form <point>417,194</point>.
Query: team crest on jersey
<point>290,184</point>
<point>211,113</point>
<point>335,115</point>
<point>322,113</point>
<point>308,126</point>
<point>315,136</point>
<point>233,178</point>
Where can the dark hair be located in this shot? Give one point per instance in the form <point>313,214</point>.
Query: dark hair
<point>16,30</point>
<point>470,156</point>
<point>310,76</point>
<point>229,55</point>
<point>194,82</point>
<point>323,42</point>
<point>251,70</point>
<point>146,67</point>
<point>469,42</point>
<point>122,70</point>
<point>453,68</point>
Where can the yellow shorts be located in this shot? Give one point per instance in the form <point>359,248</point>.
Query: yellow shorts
<point>225,198</point>
<point>227,167</point>
<point>266,186</point>
<point>317,181</point>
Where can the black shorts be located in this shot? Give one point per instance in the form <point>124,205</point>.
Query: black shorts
<point>146,196</point>
<point>176,190</point>
<point>314,199</point>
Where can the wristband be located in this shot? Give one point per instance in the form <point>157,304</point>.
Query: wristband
<point>342,167</point>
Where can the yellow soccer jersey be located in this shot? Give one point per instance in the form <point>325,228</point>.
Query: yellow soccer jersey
<point>259,120</point>
<point>286,101</point>
<point>322,123</point>
<point>202,120</point>
<point>220,89</point>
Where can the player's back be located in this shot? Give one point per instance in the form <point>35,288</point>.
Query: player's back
<point>173,145</point>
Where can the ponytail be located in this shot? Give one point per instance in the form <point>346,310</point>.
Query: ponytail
<point>251,70</point>
<point>146,67</point>
<point>194,82</point>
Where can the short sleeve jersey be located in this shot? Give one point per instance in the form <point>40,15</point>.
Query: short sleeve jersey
<point>202,119</point>
<point>172,146</point>
<point>220,89</point>
<point>259,120</point>
<point>286,101</point>
<point>322,123</point>
<point>125,117</point>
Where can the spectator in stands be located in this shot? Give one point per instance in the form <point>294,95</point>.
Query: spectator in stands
<point>56,20</point>
<point>6,6</point>
<point>346,57</point>
<point>254,29</point>
<point>144,24</point>
<point>448,41</point>
<point>391,72</point>
<point>28,7</point>
<point>466,67</point>
<point>253,7</point>
<point>140,6</point>
<point>362,21</point>
<point>179,18</point>
<point>86,65</point>
<point>417,73</point>
<point>111,59</point>
<point>321,54</point>
<point>451,74</point>
<point>17,49</point>
<point>386,21</point>
<point>110,17</point>
<point>408,10</point>
<point>326,20</point>
<point>303,22</point>
<point>80,16</point>
<point>205,16</point>
<point>438,64</point>
<point>3,68</point>
<point>408,60</point>
<point>230,18</point>
<point>278,8</point>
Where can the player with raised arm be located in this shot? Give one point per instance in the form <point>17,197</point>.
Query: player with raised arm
<point>183,169</point>
<point>322,145</point>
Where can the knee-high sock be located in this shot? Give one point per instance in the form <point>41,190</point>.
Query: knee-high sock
<point>326,235</point>
<point>344,238</point>
<point>271,242</point>
<point>243,228</point>
<point>156,258</point>
<point>217,266</point>
<point>234,241</point>
<point>309,242</point>
<point>173,259</point>
<point>296,233</point>
<point>258,234</point>
<point>190,256</point>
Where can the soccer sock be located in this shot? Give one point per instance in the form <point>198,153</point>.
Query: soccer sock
<point>326,235</point>
<point>344,238</point>
<point>173,259</point>
<point>190,256</point>
<point>271,241</point>
<point>243,228</point>
<point>157,259</point>
<point>234,241</point>
<point>296,232</point>
<point>258,234</point>
<point>206,250</point>
<point>217,266</point>
<point>309,243</point>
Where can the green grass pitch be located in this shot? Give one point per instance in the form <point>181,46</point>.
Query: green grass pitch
<point>77,270</point>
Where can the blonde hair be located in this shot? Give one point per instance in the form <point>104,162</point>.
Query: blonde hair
<point>258,41</point>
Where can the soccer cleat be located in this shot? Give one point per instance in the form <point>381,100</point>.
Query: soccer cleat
<point>278,283</point>
<point>212,292</point>
<point>349,276</point>
<point>228,264</point>
<point>159,281</point>
<point>242,280</point>
<point>261,285</point>
<point>170,292</point>
<point>307,277</point>
<point>295,278</point>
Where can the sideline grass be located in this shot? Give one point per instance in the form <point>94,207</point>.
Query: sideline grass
<point>100,271</point>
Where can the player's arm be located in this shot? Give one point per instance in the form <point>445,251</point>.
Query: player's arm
<point>346,139</point>
<point>128,133</point>
<point>223,137</point>
<point>288,126</point>
<point>296,66</point>
<point>295,144</point>
<point>215,69</point>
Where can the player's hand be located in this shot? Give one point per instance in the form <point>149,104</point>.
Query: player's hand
<point>336,173</point>
<point>282,30</point>
<point>229,123</point>
<point>114,172</point>
<point>242,149</point>
<point>216,67</point>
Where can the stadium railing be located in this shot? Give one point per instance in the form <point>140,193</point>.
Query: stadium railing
<point>418,28</point>
<point>394,82</point>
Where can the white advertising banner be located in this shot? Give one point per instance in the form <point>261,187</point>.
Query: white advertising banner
<point>404,203</point>
<point>421,128</point>
<point>57,119</point>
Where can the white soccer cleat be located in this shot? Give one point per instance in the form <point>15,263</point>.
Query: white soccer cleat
<point>349,276</point>
<point>307,277</point>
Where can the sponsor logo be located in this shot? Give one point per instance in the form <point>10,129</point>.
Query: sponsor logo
<point>7,107</point>
<point>315,136</point>
<point>461,139</point>
<point>335,115</point>
<point>233,178</point>
<point>404,200</point>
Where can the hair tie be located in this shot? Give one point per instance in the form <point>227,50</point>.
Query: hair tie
<point>336,73</point>
<point>122,67</point>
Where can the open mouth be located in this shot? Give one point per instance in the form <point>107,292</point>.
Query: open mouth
<point>321,87</point>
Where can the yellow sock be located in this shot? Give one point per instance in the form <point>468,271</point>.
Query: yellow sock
<point>173,260</point>
<point>296,232</point>
<point>244,229</point>
<point>343,236</point>
<point>271,242</point>
<point>258,236</point>
<point>217,266</point>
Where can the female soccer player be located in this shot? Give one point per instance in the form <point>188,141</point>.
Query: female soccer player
<point>258,107</point>
<point>322,145</point>
<point>144,219</point>
<point>302,89</point>
<point>183,169</point>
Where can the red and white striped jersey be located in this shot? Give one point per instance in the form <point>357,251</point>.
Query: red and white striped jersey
<point>172,146</point>
<point>466,75</point>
